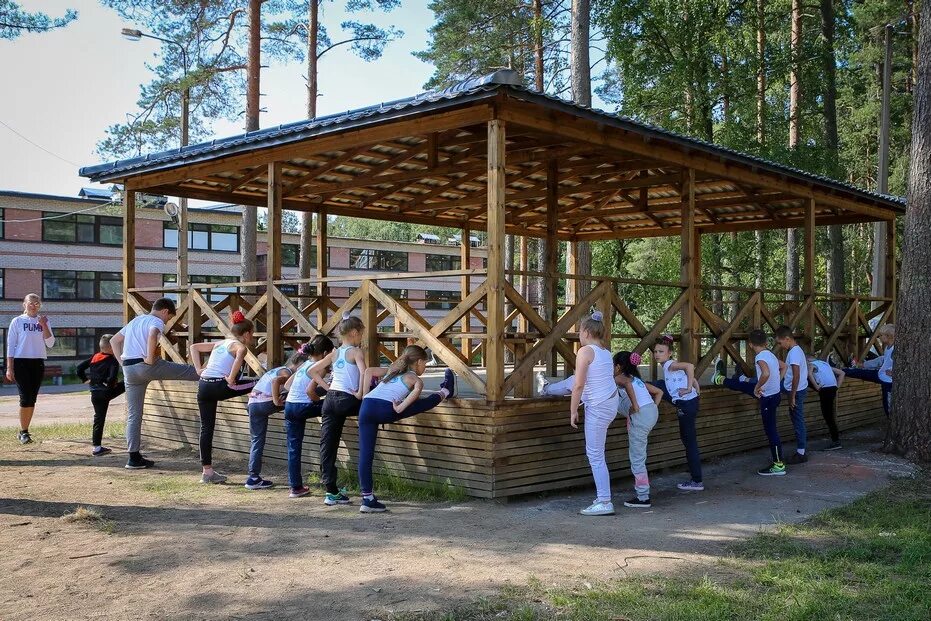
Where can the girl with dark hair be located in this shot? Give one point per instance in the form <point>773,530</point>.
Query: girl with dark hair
<point>344,397</point>
<point>394,398</point>
<point>641,418</point>
<point>220,380</point>
<point>303,402</point>
<point>680,388</point>
<point>266,398</point>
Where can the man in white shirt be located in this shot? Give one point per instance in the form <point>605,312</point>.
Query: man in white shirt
<point>879,370</point>
<point>135,346</point>
<point>795,384</point>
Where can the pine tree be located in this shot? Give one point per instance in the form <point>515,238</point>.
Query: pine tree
<point>14,21</point>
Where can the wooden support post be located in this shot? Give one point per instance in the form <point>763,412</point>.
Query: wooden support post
<point>370,319</point>
<point>129,250</point>
<point>551,255</point>
<point>891,286</point>
<point>686,271</point>
<point>853,331</point>
<point>696,294</point>
<point>607,310</point>
<point>322,256</point>
<point>465,286</point>
<point>524,288</point>
<point>572,268</point>
<point>810,271</point>
<point>273,348</point>
<point>494,345</point>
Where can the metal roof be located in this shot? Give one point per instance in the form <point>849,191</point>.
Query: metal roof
<point>477,89</point>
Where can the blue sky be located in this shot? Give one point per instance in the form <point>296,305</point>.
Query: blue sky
<point>62,89</point>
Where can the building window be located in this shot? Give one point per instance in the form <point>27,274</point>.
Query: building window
<point>69,285</point>
<point>291,254</point>
<point>441,300</point>
<point>79,228</point>
<point>381,260</point>
<point>442,262</point>
<point>78,342</point>
<point>214,294</point>
<point>219,237</point>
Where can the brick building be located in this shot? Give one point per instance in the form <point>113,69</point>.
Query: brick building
<point>69,249</point>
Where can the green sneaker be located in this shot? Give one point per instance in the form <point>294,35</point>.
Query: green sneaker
<point>777,469</point>
<point>339,498</point>
<point>720,369</point>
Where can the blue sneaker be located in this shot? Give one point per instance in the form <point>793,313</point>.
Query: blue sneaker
<point>372,506</point>
<point>258,483</point>
<point>449,383</point>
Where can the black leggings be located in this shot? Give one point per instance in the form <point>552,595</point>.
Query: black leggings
<point>101,398</point>
<point>337,407</point>
<point>828,397</point>
<point>29,373</point>
<point>211,391</point>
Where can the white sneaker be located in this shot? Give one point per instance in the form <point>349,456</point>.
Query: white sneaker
<point>599,508</point>
<point>216,478</point>
<point>541,383</point>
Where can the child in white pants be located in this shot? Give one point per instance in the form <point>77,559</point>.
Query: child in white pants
<point>594,386</point>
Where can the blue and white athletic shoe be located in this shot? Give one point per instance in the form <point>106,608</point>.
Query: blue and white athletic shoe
<point>449,383</point>
<point>372,506</point>
<point>258,483</point>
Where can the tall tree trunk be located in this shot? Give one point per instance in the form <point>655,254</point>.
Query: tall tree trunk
<point>795,47</point>
<point>837,270</point>
<point>759,268</point>
<point>911,407</point>
<point>538,83</point>
<point>582,95</point>
<point>248,250</point>
<point>307,229</point>
<point>761,73</point>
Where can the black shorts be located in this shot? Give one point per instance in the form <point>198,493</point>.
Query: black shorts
<point>29,373</point>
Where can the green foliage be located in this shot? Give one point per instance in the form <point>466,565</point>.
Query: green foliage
<point>868,560</point>
<point>14,21</point>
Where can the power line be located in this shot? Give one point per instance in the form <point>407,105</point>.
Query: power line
<point>38,146</point>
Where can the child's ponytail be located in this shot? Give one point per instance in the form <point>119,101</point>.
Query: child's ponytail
<point>595,326</point>
<point>241,325</point>
<point>404,363</point>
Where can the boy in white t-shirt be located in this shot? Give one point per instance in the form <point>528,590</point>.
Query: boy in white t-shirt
<point>826,380</point>
<point>795,385</point>
<point>764,387</point>
<point>135,346</point>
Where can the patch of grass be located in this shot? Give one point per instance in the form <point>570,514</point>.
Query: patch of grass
<point>62,431</point>
<point>91,517</point>
<point>868,560</point>
<point>176,487</point>
<point>392,487</point>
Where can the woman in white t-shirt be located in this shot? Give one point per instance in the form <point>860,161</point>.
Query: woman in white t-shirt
<point>28,339</point>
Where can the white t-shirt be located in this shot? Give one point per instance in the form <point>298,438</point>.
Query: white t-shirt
<point>676,380</point>
<point>600,386</point>
<point>24,338</point>
<point>298,390</point>
<point>883,363</point>
<point>823,374</point>
<point>768,358</point>
<point>796,356</point>
<point>640,392</point>
<point>136,335</point>
<point>221,360</point>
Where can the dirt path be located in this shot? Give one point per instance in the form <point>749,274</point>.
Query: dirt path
<point>174,549</point>
<point>68,404</point>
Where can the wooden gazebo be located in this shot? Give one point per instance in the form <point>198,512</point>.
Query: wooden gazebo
<point>491,155</point>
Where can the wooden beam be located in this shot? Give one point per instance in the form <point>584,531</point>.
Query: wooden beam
<point>810,267</point>
<point>370,320</point>
<point>687,265</point>
<point>551,254</point>
<point>465,262</point>
<point>494,283</point>
<point>322,257</point>
<point>129,250</point>
<point>273,349</point>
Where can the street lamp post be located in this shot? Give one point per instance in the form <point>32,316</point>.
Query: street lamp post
<point>135,35</point>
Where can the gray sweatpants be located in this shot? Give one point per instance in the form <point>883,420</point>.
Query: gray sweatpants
<point>639,426</point>
<point>137,378</point>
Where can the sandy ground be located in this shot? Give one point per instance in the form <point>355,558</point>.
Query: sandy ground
<point>171,548</point>
<point>56,404</point>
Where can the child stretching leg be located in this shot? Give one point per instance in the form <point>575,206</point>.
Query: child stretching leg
<point>826,380</point>
<point>396,397</point>
<point>680,388</point>
<point>767,390</point>
<point>303,402</point>
<point>219,381</point>
<point>879,370</point>
<point>642,417</point>
<point>104,369</point>
<point>594,387</point>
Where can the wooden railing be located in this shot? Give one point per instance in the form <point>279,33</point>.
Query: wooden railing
<point>637,312</point>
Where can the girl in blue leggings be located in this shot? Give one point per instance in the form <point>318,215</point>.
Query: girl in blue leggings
<point>395,397</point>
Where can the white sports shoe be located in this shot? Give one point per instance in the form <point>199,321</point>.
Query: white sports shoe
<point>599,508</point>
<point>541,383</point>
